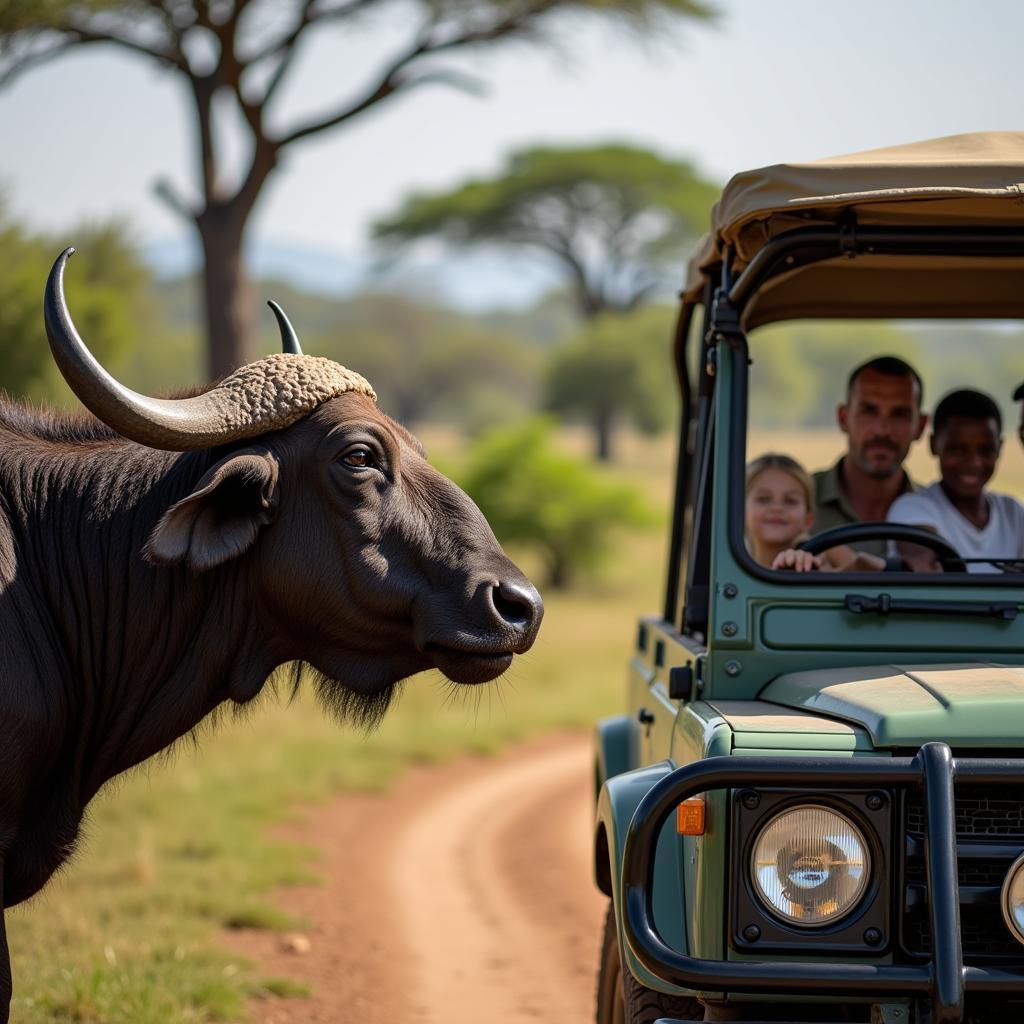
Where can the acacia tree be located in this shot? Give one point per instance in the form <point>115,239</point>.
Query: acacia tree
<point>612,217</point>
<point>240,52</point>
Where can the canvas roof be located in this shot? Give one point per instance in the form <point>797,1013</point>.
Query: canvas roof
<point>974,180</point>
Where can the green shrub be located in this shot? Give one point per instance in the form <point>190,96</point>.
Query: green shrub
<point>533,494</point>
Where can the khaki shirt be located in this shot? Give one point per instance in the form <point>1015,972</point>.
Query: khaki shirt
<point>832,509</point>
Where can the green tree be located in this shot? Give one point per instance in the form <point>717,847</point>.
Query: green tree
<point>109,294</point>
<point>234,57</point>
<point>534,495</point>
<point>612,217</point>
<point>615,368</point>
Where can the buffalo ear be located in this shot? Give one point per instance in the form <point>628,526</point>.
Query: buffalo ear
<point>219,520</point>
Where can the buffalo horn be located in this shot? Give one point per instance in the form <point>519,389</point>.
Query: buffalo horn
<point>289,339</point>
<point>163,423</point>
<point>262,396</point>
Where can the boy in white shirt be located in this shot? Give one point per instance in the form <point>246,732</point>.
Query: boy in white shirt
<point>966,439</point>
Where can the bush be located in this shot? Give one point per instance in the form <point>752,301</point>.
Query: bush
<point>535,495</point>
<point>108,289</point>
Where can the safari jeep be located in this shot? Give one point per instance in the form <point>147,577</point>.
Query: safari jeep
<point>813,809</point>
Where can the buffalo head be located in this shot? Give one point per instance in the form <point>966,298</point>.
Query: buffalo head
<point>321,519</point>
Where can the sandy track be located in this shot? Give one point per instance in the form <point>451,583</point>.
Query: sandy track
<point>462,896</point>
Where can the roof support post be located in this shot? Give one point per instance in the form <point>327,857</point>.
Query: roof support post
<point>682,477</point>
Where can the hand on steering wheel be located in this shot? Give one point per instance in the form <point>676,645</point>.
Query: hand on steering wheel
<point>852,533</point>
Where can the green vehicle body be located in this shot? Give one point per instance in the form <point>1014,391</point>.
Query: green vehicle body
<point>784,668</point>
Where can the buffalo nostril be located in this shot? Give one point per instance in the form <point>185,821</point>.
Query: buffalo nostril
<point>518,605</point>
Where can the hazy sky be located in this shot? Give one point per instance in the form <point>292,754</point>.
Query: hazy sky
<point>775,80</point>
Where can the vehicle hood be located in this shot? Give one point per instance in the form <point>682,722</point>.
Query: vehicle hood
<point>970,705</point>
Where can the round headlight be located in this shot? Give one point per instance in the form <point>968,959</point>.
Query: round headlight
<point>1012,899</point>
<point>810,865</point>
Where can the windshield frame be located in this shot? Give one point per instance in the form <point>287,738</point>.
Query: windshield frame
<point>731,297</point>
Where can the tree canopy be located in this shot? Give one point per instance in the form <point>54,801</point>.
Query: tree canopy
<point>234,57</point>
<point>615,218</point>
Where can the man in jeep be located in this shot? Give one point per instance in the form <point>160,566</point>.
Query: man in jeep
<point>881,419</point>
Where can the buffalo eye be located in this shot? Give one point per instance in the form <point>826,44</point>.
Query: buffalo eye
<point>359,457</point>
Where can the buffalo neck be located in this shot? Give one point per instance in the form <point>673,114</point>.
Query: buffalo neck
<point>125,657</point>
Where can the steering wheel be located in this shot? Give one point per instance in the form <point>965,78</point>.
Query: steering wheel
<point>852,533</point>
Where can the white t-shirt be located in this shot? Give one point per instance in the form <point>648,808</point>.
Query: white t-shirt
<point>1001,537</point>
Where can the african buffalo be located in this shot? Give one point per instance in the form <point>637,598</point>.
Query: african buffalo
<point>286,519</point>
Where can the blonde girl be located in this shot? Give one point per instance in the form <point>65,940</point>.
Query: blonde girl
<point>779,513</point>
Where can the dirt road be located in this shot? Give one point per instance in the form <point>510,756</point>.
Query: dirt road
<point>463,896</point>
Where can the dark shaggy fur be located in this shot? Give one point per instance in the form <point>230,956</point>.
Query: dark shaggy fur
<point>142,591</point>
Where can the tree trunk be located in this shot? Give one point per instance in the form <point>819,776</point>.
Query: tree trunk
<point>603,435</point>
<point>407,406</point>
<point>559,574</point>
<point>226,294</point>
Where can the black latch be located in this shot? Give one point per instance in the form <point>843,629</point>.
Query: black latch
<point>724,322</point>
<point>646,719</point>
<point>848,236</point>
<point>680,682</point>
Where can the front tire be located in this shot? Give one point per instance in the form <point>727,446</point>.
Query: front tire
<point>621,999</point>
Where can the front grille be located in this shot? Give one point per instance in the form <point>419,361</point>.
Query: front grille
<point>969,871</point>
<point>983,934</point>
<point>979,812</point>
<point>990,828</point>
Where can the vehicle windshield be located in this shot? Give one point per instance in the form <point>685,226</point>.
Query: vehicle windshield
<point>911,426</point>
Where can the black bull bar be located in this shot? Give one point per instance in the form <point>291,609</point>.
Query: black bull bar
<point>944,980</point>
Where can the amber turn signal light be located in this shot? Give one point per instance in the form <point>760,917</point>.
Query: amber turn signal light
<point>690,817</point>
